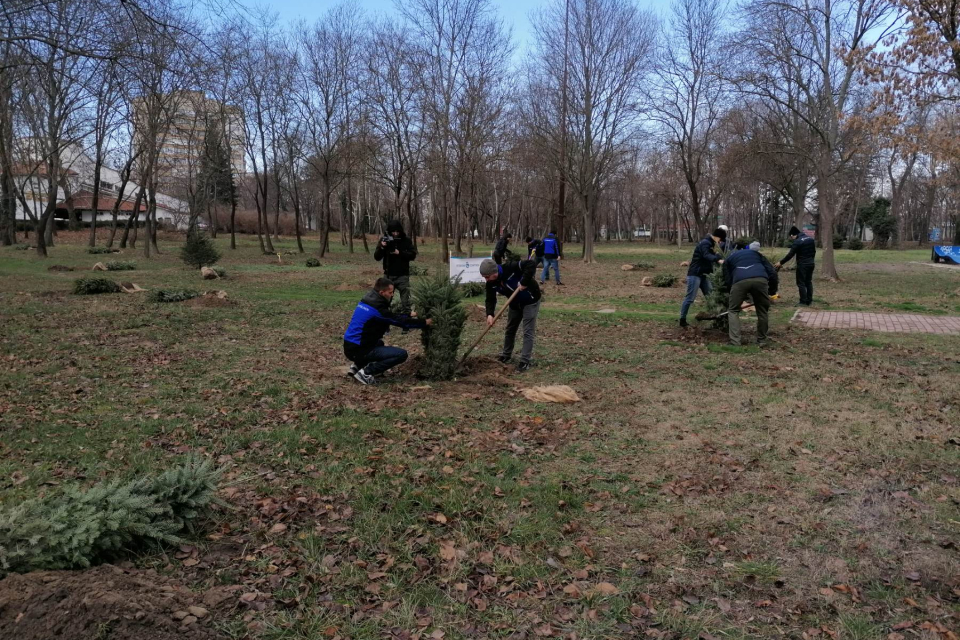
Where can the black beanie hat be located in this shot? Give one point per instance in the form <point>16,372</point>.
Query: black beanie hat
<point>720,233</point>
<point>794,231</point>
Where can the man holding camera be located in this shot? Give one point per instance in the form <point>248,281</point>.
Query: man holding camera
<point>397,252</point>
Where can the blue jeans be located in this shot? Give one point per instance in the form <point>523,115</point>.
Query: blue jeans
<point>379,359</point>
<point>547,262</point>
<point>693,283</point>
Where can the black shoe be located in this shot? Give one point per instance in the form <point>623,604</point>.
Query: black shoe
<point>683,323</point>
<point>353,370</point>
<point>559,284</point>
<point>523,366</point>
<point>504,359</point>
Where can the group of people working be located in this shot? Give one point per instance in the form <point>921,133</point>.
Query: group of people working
<point>747,274</point>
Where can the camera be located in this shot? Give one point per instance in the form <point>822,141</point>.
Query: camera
<point>387,240</point>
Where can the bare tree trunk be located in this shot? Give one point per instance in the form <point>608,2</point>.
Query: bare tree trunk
<point>132,221</point>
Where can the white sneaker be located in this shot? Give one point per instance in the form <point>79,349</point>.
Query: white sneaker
<point>364,378</point>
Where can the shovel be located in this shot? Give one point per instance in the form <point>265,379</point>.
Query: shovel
<point>703,316</point>
<point>490,326</point>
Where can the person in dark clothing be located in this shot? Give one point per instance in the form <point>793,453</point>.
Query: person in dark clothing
<point>701,266</point>
<point>535,250</point>
<point>505,279</point>
<point>552,254</point>
<point>363,339</point>
<point>747,273</point>
<point>500,250</point>
<point>805,248</point>
<point>397,254</point>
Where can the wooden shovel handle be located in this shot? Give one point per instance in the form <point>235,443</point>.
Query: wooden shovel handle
<point>489,326</point>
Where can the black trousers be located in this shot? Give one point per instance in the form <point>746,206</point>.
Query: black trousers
<point>805,283</point>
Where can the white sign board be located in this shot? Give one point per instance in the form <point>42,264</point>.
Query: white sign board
<point>467,268</point>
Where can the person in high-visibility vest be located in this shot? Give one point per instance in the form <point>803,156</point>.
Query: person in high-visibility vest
<point>552,254</point>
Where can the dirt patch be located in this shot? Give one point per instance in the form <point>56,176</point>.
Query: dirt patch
<point>103,602</point>
<point>60,267</point>
<point>209,301</point>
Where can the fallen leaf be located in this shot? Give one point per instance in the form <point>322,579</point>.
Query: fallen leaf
<point>607,589</point>
<point>447,551</point>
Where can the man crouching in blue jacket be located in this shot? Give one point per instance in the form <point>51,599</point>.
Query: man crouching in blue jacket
<point>363,340</point>
<point>748,273</point>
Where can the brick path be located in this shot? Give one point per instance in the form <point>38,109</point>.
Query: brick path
<point>885,322</point>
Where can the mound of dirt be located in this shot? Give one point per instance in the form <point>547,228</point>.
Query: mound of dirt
<point>59,267</point>
<point>210,300</point>
<point>103,602</point>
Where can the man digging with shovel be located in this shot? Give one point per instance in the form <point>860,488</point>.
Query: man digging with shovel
<point>517,281</point>
<point>748,273</point>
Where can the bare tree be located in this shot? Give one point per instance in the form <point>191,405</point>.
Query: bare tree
<point>689,96</point>
<point>815,49</point>
<point>610,55</point>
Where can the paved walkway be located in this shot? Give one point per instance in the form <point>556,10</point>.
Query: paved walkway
<point>885,322</point>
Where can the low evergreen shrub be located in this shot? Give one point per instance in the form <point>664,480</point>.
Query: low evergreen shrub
<point>94,286</point>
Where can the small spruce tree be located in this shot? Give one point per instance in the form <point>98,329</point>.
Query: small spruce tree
<point>199,250</point>
<point>719,299</point>
<point>439,299</point>
<point>77,527</point>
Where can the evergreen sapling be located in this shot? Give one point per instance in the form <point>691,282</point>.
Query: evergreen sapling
<point>439,299</point>
<point>76,527</point>
<point>719,299</point>
<point>199,250</point>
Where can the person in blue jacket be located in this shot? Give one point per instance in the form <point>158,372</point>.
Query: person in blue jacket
<point>701,266</point>
<point>747,273</point>
<point>505,279</point>
<point>805,248</point>
<point>552,254</point>
<point>363,339</point>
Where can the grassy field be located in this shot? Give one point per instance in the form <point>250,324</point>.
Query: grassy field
<point>811,490</point>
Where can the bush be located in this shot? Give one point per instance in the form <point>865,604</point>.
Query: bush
<point>439,299</point>
<point>855,244</point>
<point>93,286</point>
<point>416,270</point>
<point>199,250</point>
<point>171,295</point>
<point>99,250</point>
<point>644,266</point>
<point>220,271</point>
<point>23,247</point>
<point>472,289</point>
<point>664,280</point>
<point>743,241</point>
<point>313,262</point>
<point>76,528</point>
<point>837,241</point>
<point>119,265</point>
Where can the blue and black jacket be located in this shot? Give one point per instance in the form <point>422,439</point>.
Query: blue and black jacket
<point>512,275</point>
<point>746,264</point>
<point>701,264</point>
<point>551,247</point>
<point>371,319</point>
<point>805,248</point>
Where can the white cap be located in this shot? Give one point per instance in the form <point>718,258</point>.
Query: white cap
<point>724,227</point>
<point>755,245</point>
